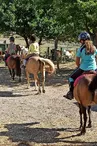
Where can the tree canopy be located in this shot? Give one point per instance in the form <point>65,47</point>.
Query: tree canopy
<point>49,19</point>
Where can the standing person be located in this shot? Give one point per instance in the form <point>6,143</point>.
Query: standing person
<point>33,49</point>
<point>11,50</point>
<point>85,60</point>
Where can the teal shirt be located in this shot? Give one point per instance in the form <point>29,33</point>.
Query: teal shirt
<point>88,62</point>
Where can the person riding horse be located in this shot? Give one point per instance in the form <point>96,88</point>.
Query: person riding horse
<point>11,50</point>
<point>12,60</point>
<point>85,60</point>
<point>33,49</point>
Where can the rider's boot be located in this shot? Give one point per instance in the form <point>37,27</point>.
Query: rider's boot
<point>69,94</point>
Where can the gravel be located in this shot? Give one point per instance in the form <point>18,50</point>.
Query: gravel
<point>48,119</point>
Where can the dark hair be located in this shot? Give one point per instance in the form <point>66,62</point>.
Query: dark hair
<point>33,38</point>
<point>11,39</point>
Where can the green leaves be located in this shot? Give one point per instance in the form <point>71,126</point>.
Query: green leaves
<point>49,19</point>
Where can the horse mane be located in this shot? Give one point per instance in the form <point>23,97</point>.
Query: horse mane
<point>50,64</point>
<point>18,69</point>
<point>93,84</point>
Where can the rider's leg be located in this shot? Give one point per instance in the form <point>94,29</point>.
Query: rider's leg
<point>72,78</point>
<point>24,62</point>
<point>5,59</point>
<point>69,94</point>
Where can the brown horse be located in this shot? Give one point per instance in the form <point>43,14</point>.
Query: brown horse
<point>85,94</point>
<point>36,65</point>
<point>13,63</point>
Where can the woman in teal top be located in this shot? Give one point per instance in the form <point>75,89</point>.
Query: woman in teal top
<point>85,60</point>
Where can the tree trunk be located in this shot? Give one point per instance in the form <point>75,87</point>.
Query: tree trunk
<point>55,47</point>
<point>40,40</point>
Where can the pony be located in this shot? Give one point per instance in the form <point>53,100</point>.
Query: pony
<point>85,94</point>
<point>56,55</point>
<point>37,65</point>
<point>13,63</point>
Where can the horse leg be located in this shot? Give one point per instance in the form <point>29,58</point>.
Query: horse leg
<point>10,72</point>
<point>43,79</point>
<point>38,82</point>
<point>19,75</point>
<point>83,131</point>
<point>35,84</point>
<point>28,79</point>
<point>89,113</point>
<point>80,112</point>
<point>13,74</point>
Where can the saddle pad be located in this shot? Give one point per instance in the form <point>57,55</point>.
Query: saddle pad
<point>14,56</point>
<point>78,79</point>
<point>8,59</point>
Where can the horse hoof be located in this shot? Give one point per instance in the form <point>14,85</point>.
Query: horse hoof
<point>38,93</point>
<point>43,91</point>
<point>89,126</point>
<point>80,128</point>
<point>83,132</point>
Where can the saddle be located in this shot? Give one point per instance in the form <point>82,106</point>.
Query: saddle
<point>31,55</point>
<point>83,74</point>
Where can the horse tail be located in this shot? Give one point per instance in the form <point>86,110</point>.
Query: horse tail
<point>42,64</point>
<point>49,63</point>
<point>18,69</point>
<point>93,84</point>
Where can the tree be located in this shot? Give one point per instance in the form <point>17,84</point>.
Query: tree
<point>7,18</point>
<point>78,15</point>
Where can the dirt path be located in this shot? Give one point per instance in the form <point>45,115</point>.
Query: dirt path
<point>48,119</point>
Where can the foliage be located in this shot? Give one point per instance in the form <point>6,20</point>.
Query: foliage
<point>78,16</point>
<point>49,19</point>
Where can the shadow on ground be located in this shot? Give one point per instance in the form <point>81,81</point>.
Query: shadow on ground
<point>58,79</point>
<point>26,133</point>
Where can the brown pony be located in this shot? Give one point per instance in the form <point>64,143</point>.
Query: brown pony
<point>13,63</point>
<point>85,94</point>
<point>36,65</point>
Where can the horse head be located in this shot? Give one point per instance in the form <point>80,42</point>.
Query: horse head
<point>24,52</point>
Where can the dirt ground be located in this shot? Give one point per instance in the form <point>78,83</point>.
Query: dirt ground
<point>27,119</point>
